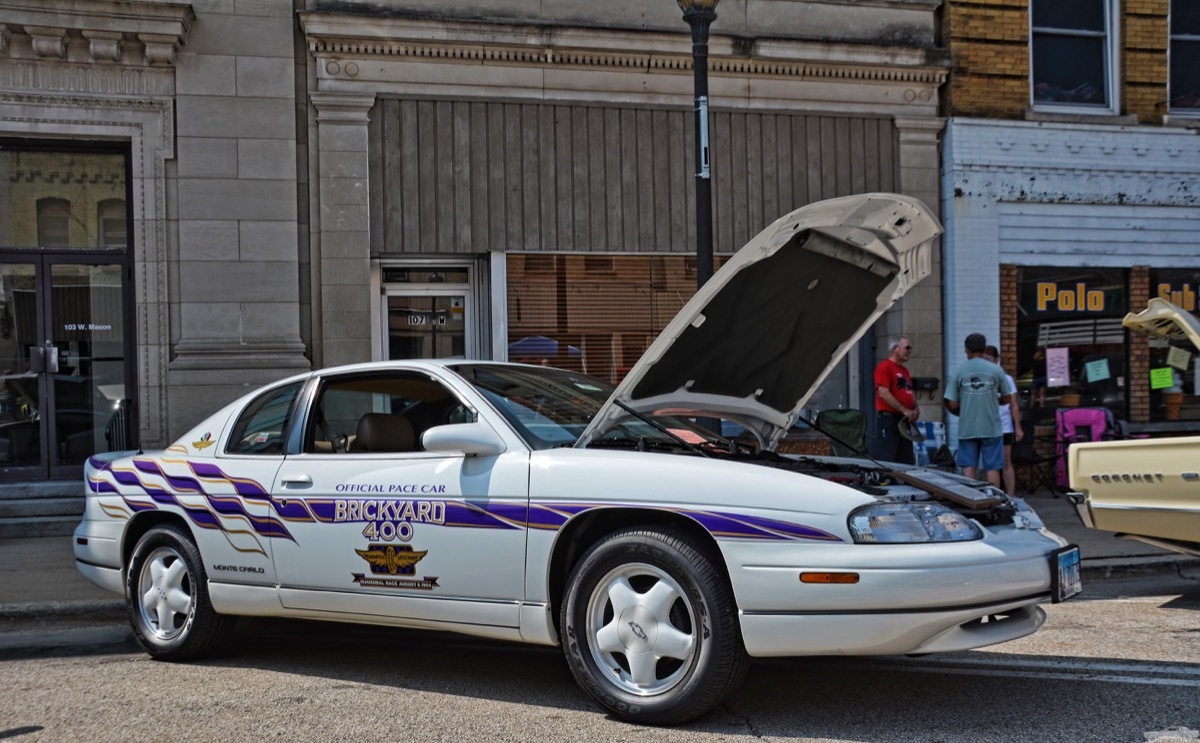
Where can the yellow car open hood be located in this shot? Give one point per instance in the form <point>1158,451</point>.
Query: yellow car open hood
<point>1161,319</point>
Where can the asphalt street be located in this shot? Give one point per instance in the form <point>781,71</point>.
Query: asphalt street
<point>1117,663</point>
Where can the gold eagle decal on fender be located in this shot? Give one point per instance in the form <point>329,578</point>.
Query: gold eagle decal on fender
<point>391,559</point>
<point>205,441</point>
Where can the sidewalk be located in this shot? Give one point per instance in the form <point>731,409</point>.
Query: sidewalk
<point>1104,555</point>
<point>38,578</point>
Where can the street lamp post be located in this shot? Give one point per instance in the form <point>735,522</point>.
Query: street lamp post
<point>699,14</point>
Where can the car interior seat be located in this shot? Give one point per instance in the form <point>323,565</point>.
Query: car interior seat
<point>384,432</point>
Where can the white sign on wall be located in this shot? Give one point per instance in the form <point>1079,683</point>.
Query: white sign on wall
<point>1058,367</point>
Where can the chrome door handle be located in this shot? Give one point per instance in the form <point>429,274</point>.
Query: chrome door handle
<point>43,359</point>
<point>51,358</point>
<point>298,481</point>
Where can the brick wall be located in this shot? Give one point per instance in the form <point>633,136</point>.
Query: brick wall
<point>989,47</point>
<point>1008,318</point>
<point>1144,35</point>
<point>1139,349</point>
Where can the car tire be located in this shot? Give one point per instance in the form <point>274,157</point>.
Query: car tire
<point>166,591</point>
<point>650,627</point>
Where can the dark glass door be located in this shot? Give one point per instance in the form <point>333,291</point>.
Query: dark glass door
<point>63,356</point>
<point>426,327</point>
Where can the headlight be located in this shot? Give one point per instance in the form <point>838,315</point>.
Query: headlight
<point>907,523</point>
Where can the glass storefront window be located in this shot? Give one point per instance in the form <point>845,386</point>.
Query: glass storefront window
<point>597,314</point>
<point>1179,399</point>
<point>578,313</point>
<point>62,199</point>
<point>1070,340</point>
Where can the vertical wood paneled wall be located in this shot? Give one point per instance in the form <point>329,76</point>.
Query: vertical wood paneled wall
<point>453,177</point>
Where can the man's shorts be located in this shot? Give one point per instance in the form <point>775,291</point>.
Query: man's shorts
<point>990,450</point>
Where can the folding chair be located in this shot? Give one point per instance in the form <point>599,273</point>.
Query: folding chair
<point>1033,468</point>
<point>1118,429</point>
<point>1073,426</point>
<point>847,430</point>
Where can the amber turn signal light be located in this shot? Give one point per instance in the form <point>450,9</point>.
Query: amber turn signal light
<point>829,577</point>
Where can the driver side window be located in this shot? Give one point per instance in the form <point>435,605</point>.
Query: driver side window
<point>380,412</point>
<point>262,426</point>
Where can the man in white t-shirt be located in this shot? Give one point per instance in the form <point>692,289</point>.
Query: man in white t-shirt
<point>1010,423</point>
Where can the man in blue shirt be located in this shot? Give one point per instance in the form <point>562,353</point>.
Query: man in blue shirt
<point>974,392</point>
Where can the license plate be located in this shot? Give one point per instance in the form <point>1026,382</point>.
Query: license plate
<point>1064,574</point>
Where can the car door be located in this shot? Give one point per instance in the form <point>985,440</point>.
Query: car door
<point>378,526</point>
<point>227,494</point>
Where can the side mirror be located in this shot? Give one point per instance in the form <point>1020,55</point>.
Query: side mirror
<point>472,439</point>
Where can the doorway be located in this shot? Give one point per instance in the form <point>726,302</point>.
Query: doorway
<point>428,312</point>
<point>64,391</point>
<point>67,378</point>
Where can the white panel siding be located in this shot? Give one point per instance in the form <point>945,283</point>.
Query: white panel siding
<point>1097,235</point>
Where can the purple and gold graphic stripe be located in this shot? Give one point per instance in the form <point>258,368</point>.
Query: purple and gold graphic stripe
<point>205,517</point>
<point>485,515</point>
<point>553,516</point>
<point>480,514</point>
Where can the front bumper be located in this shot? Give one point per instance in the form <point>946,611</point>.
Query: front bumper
<point>882,633</point>
<point>919,598</point>
<point>1079,500</point>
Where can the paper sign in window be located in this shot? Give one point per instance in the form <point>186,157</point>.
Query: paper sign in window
<point>1096,371</point>
<point>1179,358</point>
<point>1058,367</point>
<point>1161,378</point>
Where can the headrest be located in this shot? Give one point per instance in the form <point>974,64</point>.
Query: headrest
<point>384,432</point>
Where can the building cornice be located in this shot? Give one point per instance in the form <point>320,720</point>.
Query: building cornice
<point>333,37</point>
<point>68,79</point>
<point>97,31</point>
<point>1078,164</point>
<point>1003,146</point>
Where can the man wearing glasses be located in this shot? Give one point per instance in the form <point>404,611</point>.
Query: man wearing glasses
<point>894,401</point>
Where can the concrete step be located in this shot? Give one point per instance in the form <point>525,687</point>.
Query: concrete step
<point>37,526</point>
<point>40,508</point>
<point>34,507</point>
<point>41,489</point>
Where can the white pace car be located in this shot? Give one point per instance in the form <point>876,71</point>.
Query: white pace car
<point>541,505</point>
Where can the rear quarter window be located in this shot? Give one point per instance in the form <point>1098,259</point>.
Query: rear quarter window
<point>262,427</point>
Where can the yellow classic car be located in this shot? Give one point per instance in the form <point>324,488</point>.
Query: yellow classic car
<point>1144,489</point>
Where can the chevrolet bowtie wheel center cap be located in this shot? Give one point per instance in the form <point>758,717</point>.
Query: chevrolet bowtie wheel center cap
<point>638,629</point>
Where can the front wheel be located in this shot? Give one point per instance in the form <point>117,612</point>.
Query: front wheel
<point>167,595</point>
<point>650,627</point>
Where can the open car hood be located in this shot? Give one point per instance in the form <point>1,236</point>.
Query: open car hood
<point>755,342</point>
<point>1161,319</point>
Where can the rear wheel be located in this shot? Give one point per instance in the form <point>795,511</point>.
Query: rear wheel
<point>650,627</point>
<point>167,595</point>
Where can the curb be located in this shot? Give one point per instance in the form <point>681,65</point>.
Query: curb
<point>1117,567</point>
<point>96,609</point>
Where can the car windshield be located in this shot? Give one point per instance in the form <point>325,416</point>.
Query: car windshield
<point>551,407</point>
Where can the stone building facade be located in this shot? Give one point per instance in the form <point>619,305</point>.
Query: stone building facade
<point>311,183</point>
